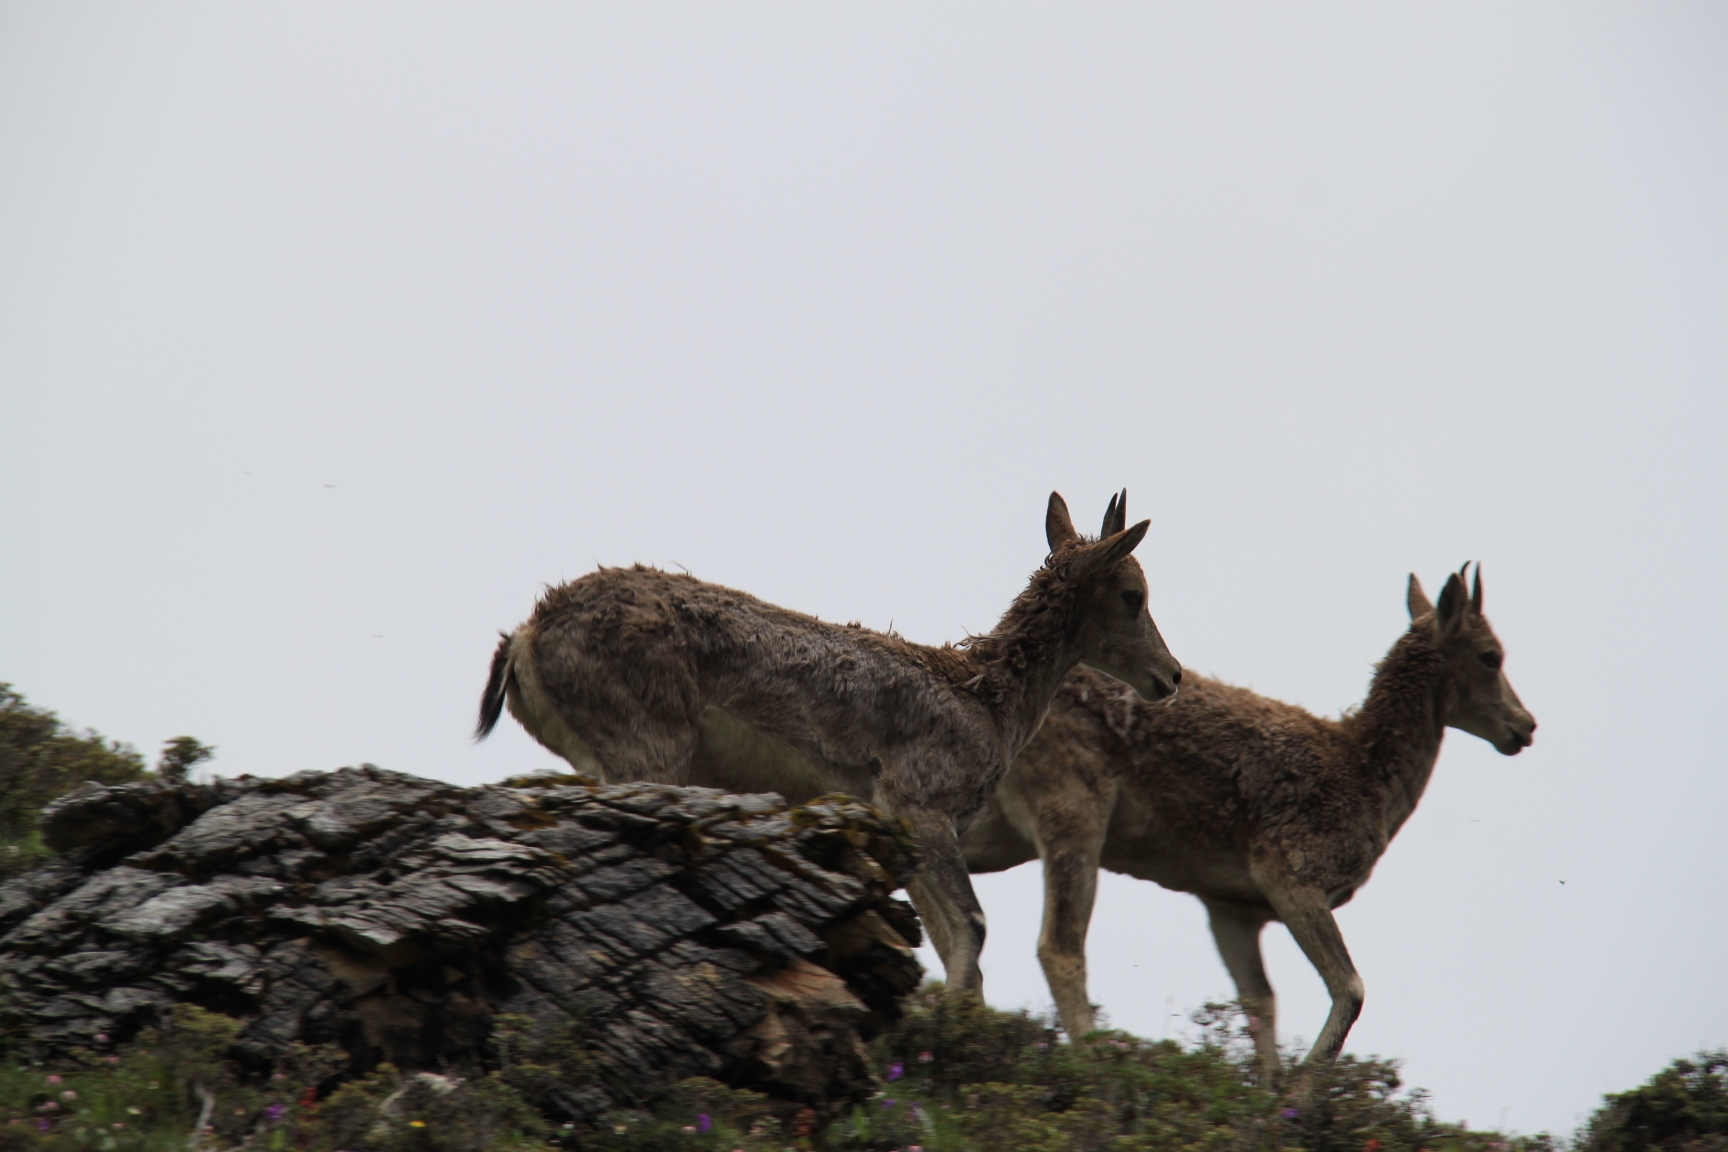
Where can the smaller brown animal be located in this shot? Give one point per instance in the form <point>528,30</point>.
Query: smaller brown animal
<point>1262,810</point>
<point>638,674</point>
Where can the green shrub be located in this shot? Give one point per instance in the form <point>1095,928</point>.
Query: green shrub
<point>41,760</point>
<point>1683,1108</point>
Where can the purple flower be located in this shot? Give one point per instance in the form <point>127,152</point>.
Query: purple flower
<point>54,1080</point>
<point>889,1102</point>
<point>1288,1113</point>
<point>43,1124</point>
<point>896,1070</point>
<point>274,1112</point>
<point>703,1123</point>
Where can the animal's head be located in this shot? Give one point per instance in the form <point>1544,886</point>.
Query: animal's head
<point>1116,634</point>
<point>1478,697</point>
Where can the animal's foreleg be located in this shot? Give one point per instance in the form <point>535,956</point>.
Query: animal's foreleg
<point>1070,888</point>
<point>943,894</point>
<point>931,914</point>
<point>1237,934</point>
<point>1310,921</point>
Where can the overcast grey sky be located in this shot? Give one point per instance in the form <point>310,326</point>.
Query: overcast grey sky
<point>329,333</point>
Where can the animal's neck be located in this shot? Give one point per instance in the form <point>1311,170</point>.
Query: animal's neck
<point>1023,659</point>
<point>1401,725</point>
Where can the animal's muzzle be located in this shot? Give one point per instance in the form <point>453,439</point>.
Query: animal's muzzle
<point>1517,740</point>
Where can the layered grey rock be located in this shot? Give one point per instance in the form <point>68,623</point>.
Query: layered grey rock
<point>692,932</point>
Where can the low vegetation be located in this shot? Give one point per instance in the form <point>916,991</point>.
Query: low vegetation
<point>956,1077</point>
<point>41,758</point>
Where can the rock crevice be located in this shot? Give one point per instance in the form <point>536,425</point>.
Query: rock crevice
<point>691,932</point>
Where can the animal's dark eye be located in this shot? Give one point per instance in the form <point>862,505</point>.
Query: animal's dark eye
<point>1133,600</point>
<point>1492,659</point>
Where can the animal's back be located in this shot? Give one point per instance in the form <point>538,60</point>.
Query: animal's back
<point>1193,781</point>
<point>663,676</point>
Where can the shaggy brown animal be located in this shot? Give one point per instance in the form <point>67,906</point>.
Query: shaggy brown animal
<point>638,674</point>
<point>1262,810</point>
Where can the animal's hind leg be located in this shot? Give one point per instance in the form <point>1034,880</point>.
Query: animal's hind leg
<point>1236,931</point>
<point>611,737</point>
<point>663,757</point>
<point>1070,857</point>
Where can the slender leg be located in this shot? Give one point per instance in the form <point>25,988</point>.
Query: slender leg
<point>943,894</point>
<point>1306,913</point>
<point>930,913</point>
<point>1236,930</point>
<point>1070,857</point>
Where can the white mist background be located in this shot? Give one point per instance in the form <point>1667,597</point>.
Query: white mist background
<point>328,334</point>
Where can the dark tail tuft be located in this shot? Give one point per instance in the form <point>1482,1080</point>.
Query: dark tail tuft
<point>492,700</point>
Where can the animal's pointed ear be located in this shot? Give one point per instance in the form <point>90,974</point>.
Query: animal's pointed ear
<point>1417,599</point>
<point>1476,590</point>
<point>1115,516</point>
<point>1058,525</point>
<point>1107,553</point>
<point>1450,613</point>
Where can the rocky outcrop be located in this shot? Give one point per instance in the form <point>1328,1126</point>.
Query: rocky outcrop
<point>690,932</point>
